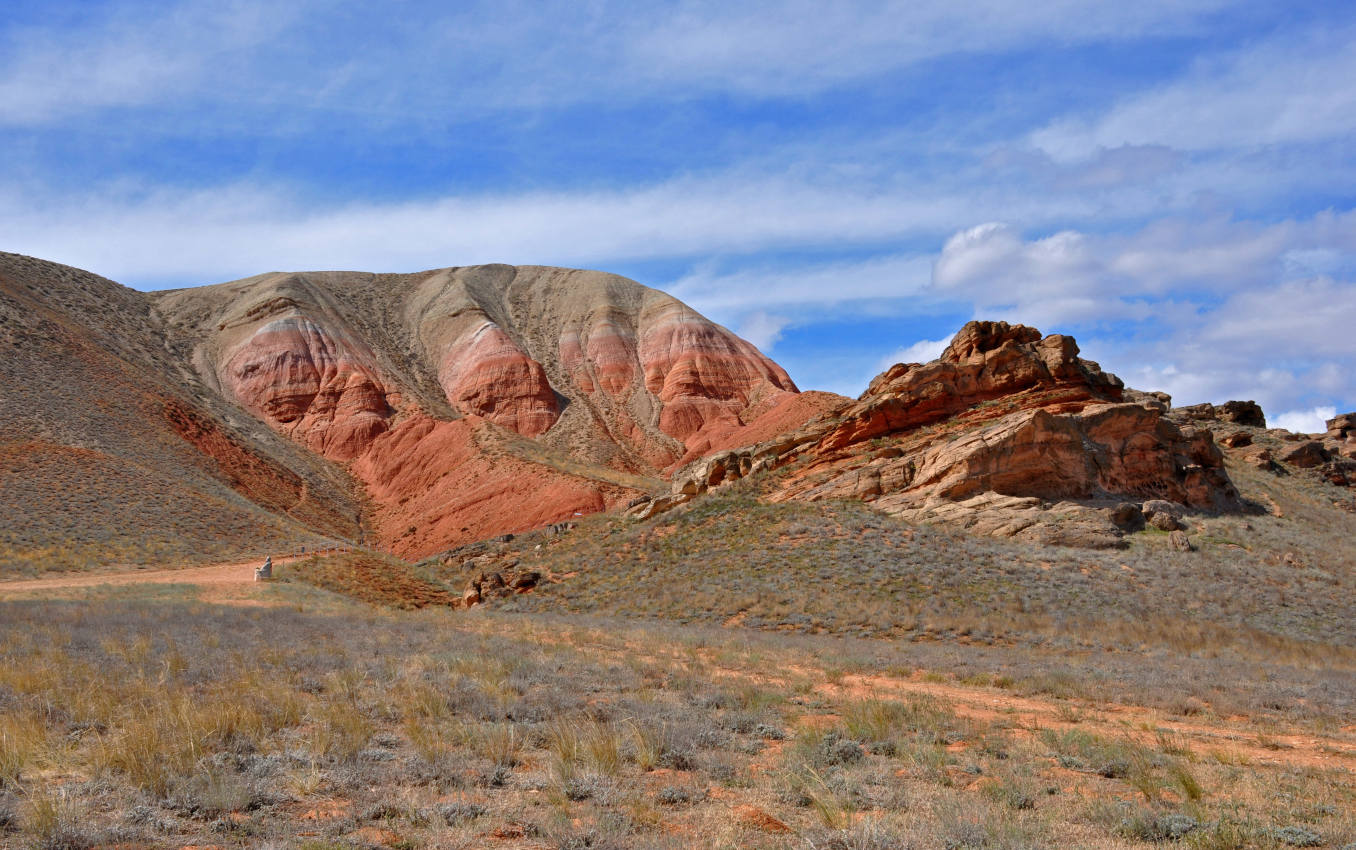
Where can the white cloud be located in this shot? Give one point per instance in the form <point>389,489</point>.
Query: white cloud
<point>203,235</point>
<point>1207,310</point>
<point>1075,277</point>
<point>922,351</point>
<point>119,59</point>
<point>806,289</point>
<point>489,56</point>
<point>796,46</point>
<point>1286,90</point>
<point>1312,421</point>
<point>763,329</point>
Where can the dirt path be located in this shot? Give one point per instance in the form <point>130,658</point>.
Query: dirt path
<point>232,582</point>
<point>1236,739</point>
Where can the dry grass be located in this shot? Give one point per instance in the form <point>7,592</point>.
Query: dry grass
<point>171,723</point>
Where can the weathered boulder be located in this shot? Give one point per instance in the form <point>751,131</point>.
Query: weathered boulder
<point>1306,455</point>
<point>1236,440</point>
<point>1154,507</point>
<point>1342,427</point>
<point>1199,412</point>
<point>1243,413</point>
<point>1128,517</point>
<point>1164,522</point>
<point>1160,400</point>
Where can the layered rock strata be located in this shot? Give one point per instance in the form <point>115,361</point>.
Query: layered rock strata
<point>1008,433</point>
<point>414,381</point>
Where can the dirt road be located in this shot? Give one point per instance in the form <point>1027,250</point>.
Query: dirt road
<point>221,582</point>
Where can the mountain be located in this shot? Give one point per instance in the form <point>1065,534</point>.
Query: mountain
<point>413,411</point>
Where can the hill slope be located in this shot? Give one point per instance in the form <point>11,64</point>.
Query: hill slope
<point>415,412</point>
<point>110,450</point>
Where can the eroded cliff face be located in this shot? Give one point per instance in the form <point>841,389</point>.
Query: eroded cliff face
<point>484,373</point>
<point>314,382</point>
<point>1008,433</point>
<point>405,377</point>
<point>704,376</point>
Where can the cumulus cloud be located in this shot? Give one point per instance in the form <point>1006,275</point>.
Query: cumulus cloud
<point>1206,310</point>
<point>1071,277</point>
<point>1312,421</point>
<point>922,351</point>
<point>763,329</point>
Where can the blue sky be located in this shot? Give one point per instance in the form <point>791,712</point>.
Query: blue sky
<point>1174,183</point>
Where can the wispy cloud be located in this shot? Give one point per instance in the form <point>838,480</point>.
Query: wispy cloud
<point>176,235</point>
<point>1285,90</point>
<point>127,58</point>
<point>486,56</point>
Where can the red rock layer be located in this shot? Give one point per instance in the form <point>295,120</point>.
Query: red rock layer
<point>485,374</point>
<point>315,384</point>
<point>258,479</point>
<point>1004,423</point>
<point>985,361</point>
<point>703,375</point>
<point>608,364</point>
<point>432,483</point>
<point>787,413</point>
<point>439,484</point>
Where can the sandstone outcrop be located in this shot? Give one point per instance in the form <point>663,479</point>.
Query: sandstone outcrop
<point>1008,433</point>
<point>1342,428</point>
<point>1238,412</point>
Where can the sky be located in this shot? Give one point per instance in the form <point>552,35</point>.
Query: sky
<point>1173,182</point>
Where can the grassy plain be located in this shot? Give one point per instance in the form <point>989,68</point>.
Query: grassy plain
<point>731,675</point>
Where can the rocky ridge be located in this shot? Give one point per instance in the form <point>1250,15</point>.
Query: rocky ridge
<point>1009,433</point>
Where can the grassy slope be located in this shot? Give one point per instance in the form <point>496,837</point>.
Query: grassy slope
<point>92,470</point>
<point>841,568</point>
